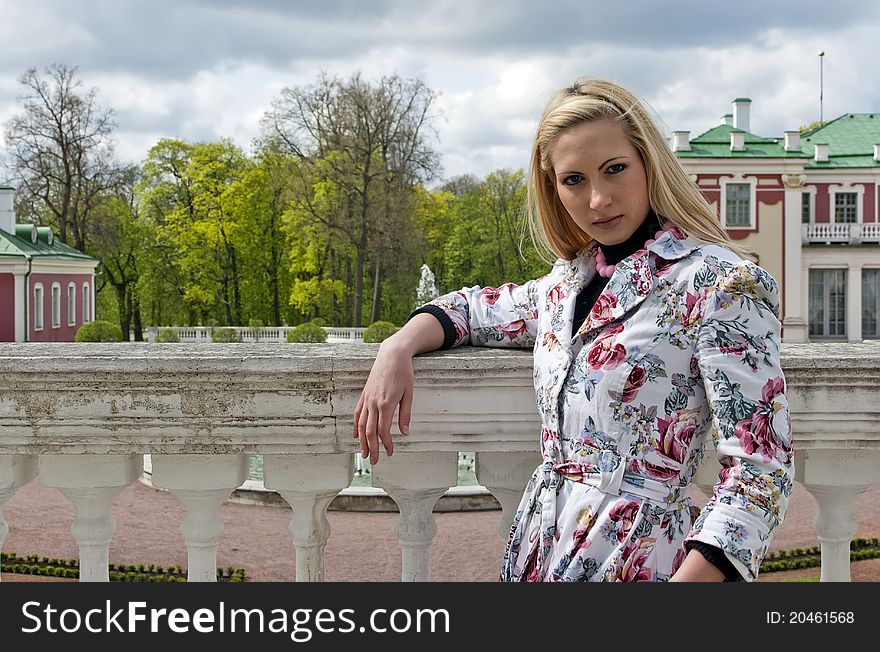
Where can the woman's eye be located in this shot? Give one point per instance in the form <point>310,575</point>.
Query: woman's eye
<point>615,168</point>
<point>572,179</point>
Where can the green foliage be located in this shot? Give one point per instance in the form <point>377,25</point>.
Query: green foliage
<point>167,336</point>
<point>306,333</point>
<point>225,336</point>
<point>797,558</point>
<point>69,568</point>
<point>379,331</point>
<point>99,331</point>
<point>807,129</point>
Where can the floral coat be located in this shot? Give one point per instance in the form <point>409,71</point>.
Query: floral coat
<point>682,343</point>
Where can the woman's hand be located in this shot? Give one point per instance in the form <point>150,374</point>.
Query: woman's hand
<point>389,385</point>
<point>696,569</point>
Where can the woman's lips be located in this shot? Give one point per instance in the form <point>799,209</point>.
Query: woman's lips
<point>608,224</point>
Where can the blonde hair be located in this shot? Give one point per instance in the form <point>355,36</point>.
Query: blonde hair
<point>671,193</point>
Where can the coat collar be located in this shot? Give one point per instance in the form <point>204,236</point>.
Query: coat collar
<point>634,277</point>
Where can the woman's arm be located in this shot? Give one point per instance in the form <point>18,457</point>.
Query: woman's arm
<point>390,384</point>
<point>738,357</point>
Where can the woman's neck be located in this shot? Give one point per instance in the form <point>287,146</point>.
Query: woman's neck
<point>646,230</point>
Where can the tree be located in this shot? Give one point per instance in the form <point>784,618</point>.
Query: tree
<point>61,152</point>
<point>370,142</point>
<point>120,240</point>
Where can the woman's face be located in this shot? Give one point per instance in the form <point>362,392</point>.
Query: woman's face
<point>601,180</point>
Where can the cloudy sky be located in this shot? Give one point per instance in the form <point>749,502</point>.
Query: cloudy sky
<point>201,70</point>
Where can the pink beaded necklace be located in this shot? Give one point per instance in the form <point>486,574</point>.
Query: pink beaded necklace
<point>605,270</point>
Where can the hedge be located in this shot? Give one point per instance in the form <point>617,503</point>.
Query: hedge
<point>379,331</point>
<point>99,331</point>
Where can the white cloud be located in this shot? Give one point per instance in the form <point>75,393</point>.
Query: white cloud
<point>203,70</point>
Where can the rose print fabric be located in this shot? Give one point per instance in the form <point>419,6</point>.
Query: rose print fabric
<point>682,345</point>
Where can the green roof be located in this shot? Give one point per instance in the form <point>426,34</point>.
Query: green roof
<point>850,139</point>
<point>715,143</point>
<point>15,246</point>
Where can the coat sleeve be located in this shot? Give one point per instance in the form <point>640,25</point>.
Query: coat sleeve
<point>737,354</point>
<point>506,316</point>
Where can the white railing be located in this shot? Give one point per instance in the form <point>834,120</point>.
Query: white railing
<point>871,232</point>
<point>82,417</point>
<point>265,334</point>
<point>841,233</point>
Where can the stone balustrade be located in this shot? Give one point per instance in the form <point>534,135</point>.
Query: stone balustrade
<point>843,233</point>
<point>266,334</point>
<point>81,417</point>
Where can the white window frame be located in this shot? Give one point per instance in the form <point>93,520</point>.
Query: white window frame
<point>739,179</point>
<point>825,292</point>
<point>811,191</point>
<point>71,304</point>
<point>846,188</point>
<point>39,297</point>
<point>56,305</point>
<point>876,335</point>
<point>86,303</point>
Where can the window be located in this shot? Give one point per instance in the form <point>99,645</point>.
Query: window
<point>827,303</point>
<point>871,303</point>
<point>738,205</point>
<point>56,305</point>
<point>71,304</point>
<point>87,297</point>
<point>845,208</point>
<point>806,201</point>
<point>38,307</point>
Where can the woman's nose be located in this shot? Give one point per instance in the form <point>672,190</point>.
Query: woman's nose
<point>600,197</point>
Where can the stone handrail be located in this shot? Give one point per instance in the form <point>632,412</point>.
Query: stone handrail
<point>82,416</point>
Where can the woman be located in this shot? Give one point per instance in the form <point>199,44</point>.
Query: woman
<point>649,334</point>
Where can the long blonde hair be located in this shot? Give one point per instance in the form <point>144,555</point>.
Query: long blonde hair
<point>671,193</point>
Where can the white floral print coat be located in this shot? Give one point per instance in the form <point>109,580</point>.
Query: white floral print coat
<point>682,343</point>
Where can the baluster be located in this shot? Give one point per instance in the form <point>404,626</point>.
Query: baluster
<point>835,526</point>
<point>415,481</point>
<point>91,483</point>
<point>505,476</point>
<point>201,483</point>
<point>15,472</point>
<point>308,483</point>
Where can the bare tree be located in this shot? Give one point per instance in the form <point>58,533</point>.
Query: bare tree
<point>371,141</point>
<point>61,151</point>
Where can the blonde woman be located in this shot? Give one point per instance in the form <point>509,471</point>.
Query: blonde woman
<point>651,333</point>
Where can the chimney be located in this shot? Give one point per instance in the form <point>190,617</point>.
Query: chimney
<point>7,215</point>
<point>737,140</point>
<point>681,141</point>
<point>727,119</point>
<point>792,141</point>
<point>741,113</point>
<point>821,152</point>
<point>877,152</point>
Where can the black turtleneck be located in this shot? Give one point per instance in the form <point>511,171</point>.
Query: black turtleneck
<point>613,254</point>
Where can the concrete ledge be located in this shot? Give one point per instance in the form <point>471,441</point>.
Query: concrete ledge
<point>362,499</point>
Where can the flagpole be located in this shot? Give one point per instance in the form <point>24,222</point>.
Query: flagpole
<point>821,85</point>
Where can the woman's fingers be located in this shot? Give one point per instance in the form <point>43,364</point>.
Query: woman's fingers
<point>362,432</point>
<point>405,413</point>
<point>357,417</point>
<point>372,435</point>
<point>385,416</point>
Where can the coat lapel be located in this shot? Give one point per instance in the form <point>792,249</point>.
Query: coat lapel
<point>634,278</point>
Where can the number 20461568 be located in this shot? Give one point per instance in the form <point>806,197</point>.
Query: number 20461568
<point>811,617</point>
